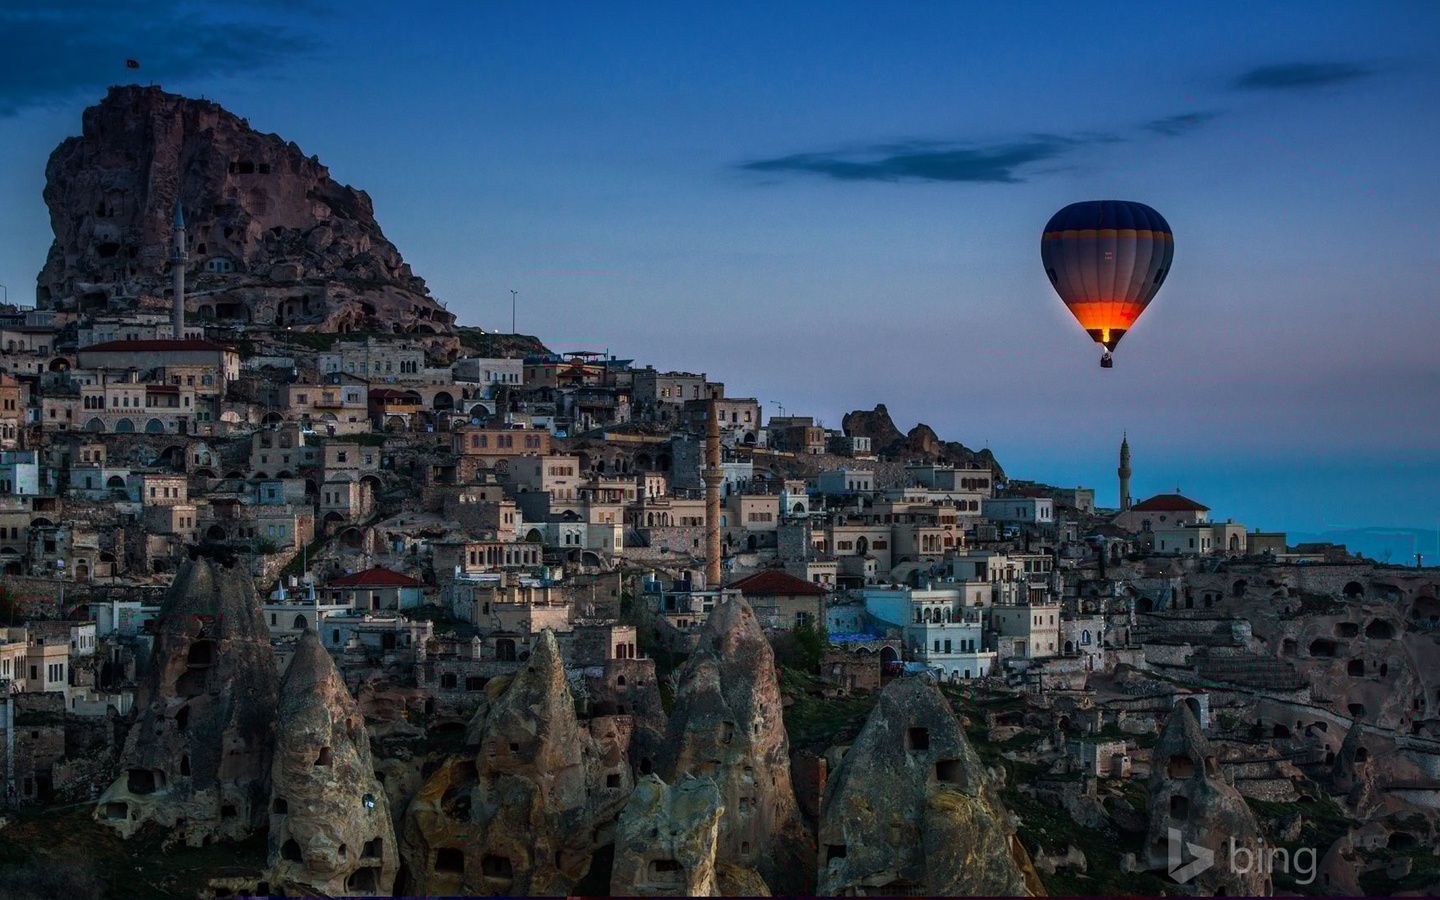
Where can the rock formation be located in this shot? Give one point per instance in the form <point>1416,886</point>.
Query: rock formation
<point>528,812</point>
<point>197,759</point>
<point>1352,770</point>
<point>911,809</point>
<point>665,840</point>
<point>922,442</point>
<point>272,239</point>
<point>1189,796</point>
<point>726,725</point>
<point>875,424</point>
<point>1374,669</point>
<point>330,827</point>
<point>1338,873</point>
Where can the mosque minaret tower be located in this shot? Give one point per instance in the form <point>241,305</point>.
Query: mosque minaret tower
<point>1124,473</point>
<point>178,259</point>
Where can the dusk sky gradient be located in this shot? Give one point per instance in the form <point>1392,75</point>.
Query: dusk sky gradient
<point>833,205</point>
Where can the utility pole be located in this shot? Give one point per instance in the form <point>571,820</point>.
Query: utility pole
<point>512,311</point>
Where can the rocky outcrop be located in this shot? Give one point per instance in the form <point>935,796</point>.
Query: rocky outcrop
<point>665,840</point>
<point>330,827</point>
<point>1374,669</point>
<point>726,725</point>
<point>911,809</point>
<point>271,237</point>
<point>528,812</point>
<point>875,424</point>
<point>1338,873</point>
<point>197,759</point>
<point>921,443</point>
<point>1352,770</point>
<point>1190,798</point>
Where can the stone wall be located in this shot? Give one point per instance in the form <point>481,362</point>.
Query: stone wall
<point>40,598</point>
<point>683,542</point>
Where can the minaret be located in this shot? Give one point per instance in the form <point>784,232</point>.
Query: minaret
<point>178,258</point>
<point>712,476</point>
<point>1124,473</point>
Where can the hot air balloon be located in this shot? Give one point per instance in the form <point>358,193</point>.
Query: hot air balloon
<point>1106,260</point>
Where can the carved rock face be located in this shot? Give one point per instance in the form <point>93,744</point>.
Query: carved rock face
<point>911,808</point>
<point>197,759</point>
<point>727,726</point>
<point>666,840</point>
<point>271,238</point>
<point>1189,795</point>
<point>330,827</point>
<point>527,813</point>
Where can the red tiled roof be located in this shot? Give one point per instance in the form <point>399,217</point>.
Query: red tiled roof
<point>776,583</point>
<point>149,346</point>
<point>376,577</point>
<point>1169,503</point>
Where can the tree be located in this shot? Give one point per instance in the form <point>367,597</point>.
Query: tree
<point>804,647</point>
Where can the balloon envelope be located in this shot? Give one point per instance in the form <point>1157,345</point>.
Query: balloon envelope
<point>1106,260</point>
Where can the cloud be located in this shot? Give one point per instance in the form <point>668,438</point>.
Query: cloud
<point>1175,126</point>
<point>923,161</point>
<point>1002,162</point>
<point>51,53</point>
<point>1300,76</point>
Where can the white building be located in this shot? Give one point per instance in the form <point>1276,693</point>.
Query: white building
<point>845,480</point>
<point>1027,630</point>
<point>1020,510</point>
<point>1192,540</point>
<point>489,373</point>
<point>944,628</point>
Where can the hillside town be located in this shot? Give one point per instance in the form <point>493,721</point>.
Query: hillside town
<point>292,557</point>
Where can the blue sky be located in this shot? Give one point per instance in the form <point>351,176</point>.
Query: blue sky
<point>833,205</point>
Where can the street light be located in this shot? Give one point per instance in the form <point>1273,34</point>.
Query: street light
<point>782,407</point>
<point>512,311</point>
<point>7,294</point>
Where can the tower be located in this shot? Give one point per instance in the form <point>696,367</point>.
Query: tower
<point>1124,473</point>
<point>712,476</point>
<point>178,258</point>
